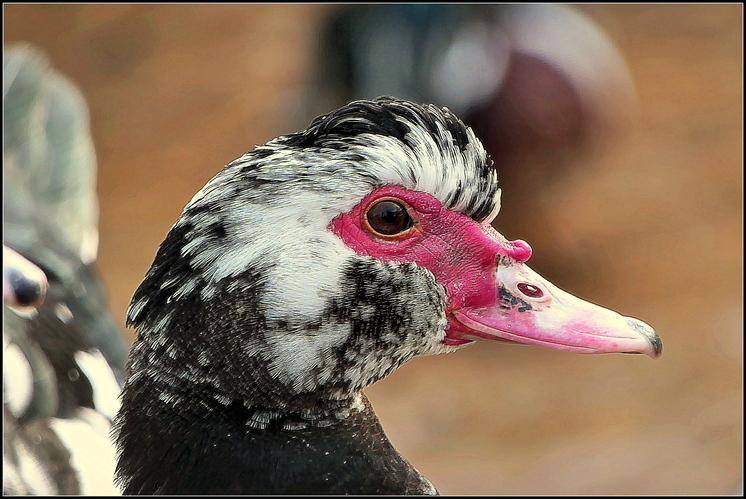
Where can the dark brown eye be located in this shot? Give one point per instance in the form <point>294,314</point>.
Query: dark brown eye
<point>388,218</point>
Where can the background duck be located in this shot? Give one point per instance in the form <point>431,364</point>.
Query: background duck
<point>63,355</point>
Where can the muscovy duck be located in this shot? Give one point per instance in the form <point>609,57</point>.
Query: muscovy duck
<point>309,268</point>
<point>63,355</point>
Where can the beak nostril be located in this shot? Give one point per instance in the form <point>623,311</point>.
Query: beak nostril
<point>530,290</point>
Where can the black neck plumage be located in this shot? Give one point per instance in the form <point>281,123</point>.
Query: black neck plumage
<point>240,450</point>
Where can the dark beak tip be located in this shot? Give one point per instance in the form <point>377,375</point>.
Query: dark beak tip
<point>649,333</point>
<point>657,346</point>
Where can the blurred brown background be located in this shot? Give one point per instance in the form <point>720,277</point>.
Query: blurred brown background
<point>177,91</point>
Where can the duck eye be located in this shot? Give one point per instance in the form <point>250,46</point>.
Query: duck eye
<point>388,218</point>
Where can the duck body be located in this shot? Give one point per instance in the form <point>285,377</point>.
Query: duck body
<point>308,269</point>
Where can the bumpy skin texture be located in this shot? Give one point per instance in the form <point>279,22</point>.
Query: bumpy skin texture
<point>461,253</point>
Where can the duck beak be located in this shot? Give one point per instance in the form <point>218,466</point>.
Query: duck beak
<point>526,308</point>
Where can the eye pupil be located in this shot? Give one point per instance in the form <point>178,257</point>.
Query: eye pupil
<point>388,218</point>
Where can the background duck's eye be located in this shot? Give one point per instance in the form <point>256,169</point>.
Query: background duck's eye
<point>388,218</point>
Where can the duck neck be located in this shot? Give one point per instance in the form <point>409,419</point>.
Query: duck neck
<point>335,449</point>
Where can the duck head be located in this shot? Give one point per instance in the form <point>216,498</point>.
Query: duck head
<point>321,261</point>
